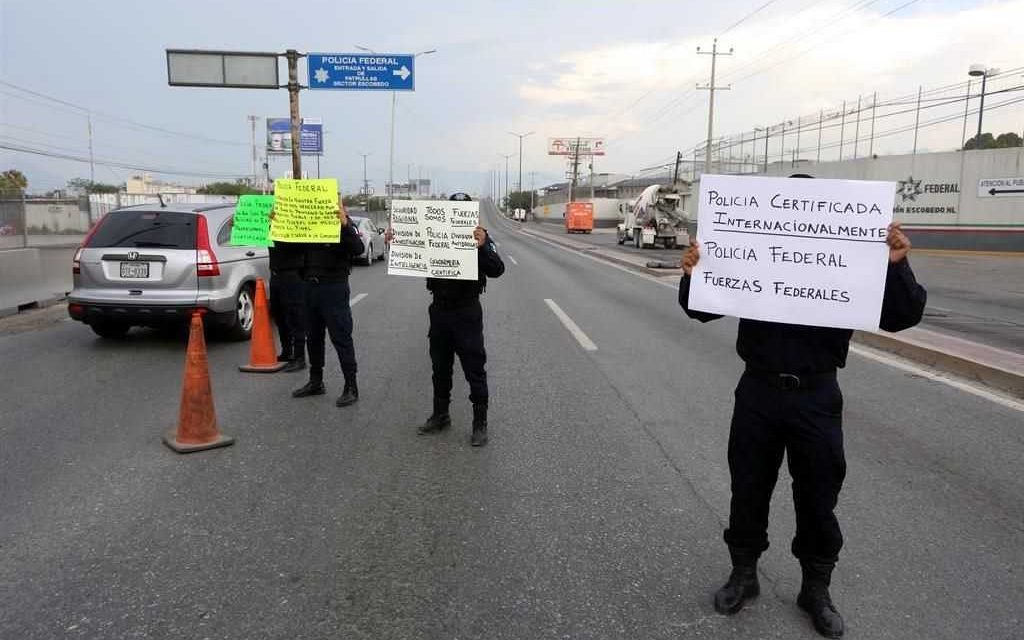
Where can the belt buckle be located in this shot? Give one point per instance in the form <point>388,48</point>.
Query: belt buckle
<point>789,382</point>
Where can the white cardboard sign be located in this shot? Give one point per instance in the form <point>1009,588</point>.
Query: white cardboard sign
<point>434,239</point>
<point>798,251</point>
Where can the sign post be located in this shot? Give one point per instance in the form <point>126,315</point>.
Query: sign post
<point>807,252</point>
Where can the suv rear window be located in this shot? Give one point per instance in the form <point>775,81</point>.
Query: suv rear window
<point>138,229</point>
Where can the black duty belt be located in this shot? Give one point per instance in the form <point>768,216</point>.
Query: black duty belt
<point>792,381</point>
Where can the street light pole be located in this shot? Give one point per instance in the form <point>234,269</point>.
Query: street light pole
<point>975,71</point>
<point>506,175</point>
<point>521,136</point>
<point>390,188</point>
<point>366,183</point>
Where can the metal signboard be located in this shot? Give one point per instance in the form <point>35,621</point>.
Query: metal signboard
<point>567,146</point>
<point>232,69</point>
<point>279,136</point>
<point>362,71</point>
<point>1000,187</point>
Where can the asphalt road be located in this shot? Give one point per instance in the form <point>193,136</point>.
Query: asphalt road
<point>595,512</point>
<point>977,297</point>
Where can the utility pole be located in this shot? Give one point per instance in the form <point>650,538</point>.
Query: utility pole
<point>506,176</point>
<point>533,174</point>
<point>92,167</point>
<point>782,147</point>
<point>917,118</point>
<point>575,171</point>
<point>821,116</point>
<point>711,88</point>
<point>366,183</point>
<point>252,139</point>
<point>293,107</point>
<point>767,131</point>
<point>675,173</point>
<point>799,123</point>
<point>874,105</point>
<point>842,132</point>
<point>856,131</point>
<point>967,105</point>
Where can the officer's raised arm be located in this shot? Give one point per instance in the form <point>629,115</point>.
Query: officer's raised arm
<point>490,263</point>
<point>904,299</point>
<point>690,258</point>
<point>350,240</point>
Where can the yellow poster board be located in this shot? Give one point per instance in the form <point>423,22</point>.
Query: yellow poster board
<point>306,211</point>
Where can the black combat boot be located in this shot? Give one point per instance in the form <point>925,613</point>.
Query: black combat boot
<point>814,598</point>
<point>479,437</point>
<point>313,387</point>
<point>285,355</point>
<point>438,421</point>
<point>349,395</point>
<point>742,584</point>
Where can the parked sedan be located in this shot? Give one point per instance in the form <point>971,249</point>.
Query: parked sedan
<point>373,240</point>
<point>154,265</point>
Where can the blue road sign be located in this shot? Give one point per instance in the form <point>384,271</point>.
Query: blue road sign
<point>362,71</point>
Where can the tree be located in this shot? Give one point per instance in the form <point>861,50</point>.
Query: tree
<point>988,141</point>
<point>518,200</point>
<point>88,186</point>
<point>236,188</point>
<point>13,182</point>
<point>1009,140</point>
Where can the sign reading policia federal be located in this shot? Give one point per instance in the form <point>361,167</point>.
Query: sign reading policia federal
<point>808,252</point>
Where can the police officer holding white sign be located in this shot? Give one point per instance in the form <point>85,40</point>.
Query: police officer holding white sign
<point>788,402</point>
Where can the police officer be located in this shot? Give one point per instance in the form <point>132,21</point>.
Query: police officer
<point>287,302</point>
<point>457,328</point>
<point>325,272</point>
<point>788,401</point>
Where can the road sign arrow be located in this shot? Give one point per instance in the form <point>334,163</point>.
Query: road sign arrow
<point>993,191</point>
<point>403,73</point>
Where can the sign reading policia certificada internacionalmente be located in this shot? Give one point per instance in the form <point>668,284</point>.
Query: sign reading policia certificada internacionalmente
<point>434,239</point>
<point>799,251</point>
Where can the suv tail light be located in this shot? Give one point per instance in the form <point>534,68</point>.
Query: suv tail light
<point>76,262</point>
<point>206,259</point>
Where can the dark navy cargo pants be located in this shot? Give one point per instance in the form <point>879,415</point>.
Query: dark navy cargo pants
<point>328,312</point>
<point>458,329</point>
<point>806,426</point>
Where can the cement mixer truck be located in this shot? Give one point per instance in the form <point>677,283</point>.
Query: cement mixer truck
<point>655,216</point>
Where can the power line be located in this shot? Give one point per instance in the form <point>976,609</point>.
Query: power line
<point>116,119</point>
<point>116,164</point>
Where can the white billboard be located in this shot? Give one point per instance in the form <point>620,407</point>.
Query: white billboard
<point>568,146</point>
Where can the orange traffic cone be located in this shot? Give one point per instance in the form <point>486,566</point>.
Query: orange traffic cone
<point>197,421</point>
<point>262,354</point>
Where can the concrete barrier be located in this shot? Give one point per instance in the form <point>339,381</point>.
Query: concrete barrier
<point>34,277</point>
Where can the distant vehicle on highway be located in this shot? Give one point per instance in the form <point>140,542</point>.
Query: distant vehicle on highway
<point>579,217</point>
<point>373,240</point>
<point>153,265</point>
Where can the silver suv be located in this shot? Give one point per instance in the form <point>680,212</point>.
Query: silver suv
<point>152,265</point>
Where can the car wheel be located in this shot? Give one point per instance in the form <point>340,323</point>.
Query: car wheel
<point>369,255</point>
<point>245,314</point>
<point>110,330</point>
<point>636,239</point>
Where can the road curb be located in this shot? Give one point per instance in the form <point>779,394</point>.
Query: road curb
<point>989,374</point>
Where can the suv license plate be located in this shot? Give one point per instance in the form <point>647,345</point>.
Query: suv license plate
<point>134,269</point>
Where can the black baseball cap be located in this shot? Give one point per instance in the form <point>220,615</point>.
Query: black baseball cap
<point>461,197</point>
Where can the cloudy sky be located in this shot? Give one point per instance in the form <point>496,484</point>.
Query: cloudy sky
<point>625,70</point>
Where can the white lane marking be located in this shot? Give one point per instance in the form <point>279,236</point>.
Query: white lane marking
<point>355,299</point>
<point>573,328</point>
<point>903,365</point>
<point>513,261</point>
<point>859,350</point>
